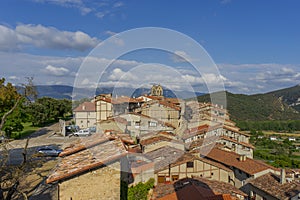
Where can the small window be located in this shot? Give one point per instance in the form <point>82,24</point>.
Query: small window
<point>152,124</point>
<point>212,174</point>
<point>175,177</point>
<point>138,123</point>
<point>190,164</point>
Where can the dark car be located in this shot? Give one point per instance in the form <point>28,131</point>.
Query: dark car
<point>48,151</point>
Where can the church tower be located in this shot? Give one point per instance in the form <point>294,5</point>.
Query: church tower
<point>157,90</point>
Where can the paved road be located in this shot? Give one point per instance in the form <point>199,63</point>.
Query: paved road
<point>47,136</point>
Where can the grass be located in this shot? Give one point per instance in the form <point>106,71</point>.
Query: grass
<point>28,129</point>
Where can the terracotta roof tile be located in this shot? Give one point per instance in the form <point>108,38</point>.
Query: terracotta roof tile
<point>227,158</point>
<point>155,139</point>
<point>120,100</point>
<point>270,183</point>
<point>86,107</point>
<point>163,157</point>
<point>87,159</point>
<point>197,188</point>
<point>83,144</point>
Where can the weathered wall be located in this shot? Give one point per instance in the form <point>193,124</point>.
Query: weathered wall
<point>103,183</point>
<point>85,119</point>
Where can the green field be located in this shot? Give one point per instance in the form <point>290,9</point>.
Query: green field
<point>28,129</point>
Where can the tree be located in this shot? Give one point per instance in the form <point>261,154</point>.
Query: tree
<point>10,99</point>
<point>45,110</point>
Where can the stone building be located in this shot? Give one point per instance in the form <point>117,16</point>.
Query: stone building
<point>161,110</point>
<point>157,90</point>
<point>272,187</point>
<point>90,171</point>
<point>244,169</point>
<point>85,115</point>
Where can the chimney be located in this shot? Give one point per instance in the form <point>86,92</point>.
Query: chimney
<point>282,176</point>
<point>83,107</point>
<point>242,158</point>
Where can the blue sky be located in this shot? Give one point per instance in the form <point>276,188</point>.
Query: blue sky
<point>255,44</point>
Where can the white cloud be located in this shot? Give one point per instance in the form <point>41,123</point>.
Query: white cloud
<point>8,39</point>
<point>56,71</point>
<point>52,38</point>
<point>13,78</point>
<point>244,78</point>
<point>118,74</point>
<point>181,56</point>
<point>100,8</point>
<point>44,37</point>
<point>77,4</point>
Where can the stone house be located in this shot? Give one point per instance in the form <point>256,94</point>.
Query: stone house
<point>85,115</point>
<point>272,187</point>
<point>107,106</point>
<point>158,141</point>
<point>90,169</point>
<point>244,168</point>
<point>171,164</point>
<point>134,124</point>
<point>162,110</point>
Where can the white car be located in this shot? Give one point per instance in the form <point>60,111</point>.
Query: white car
<point>84,132</point>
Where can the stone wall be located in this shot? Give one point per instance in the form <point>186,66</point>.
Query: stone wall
<point>102,183</point>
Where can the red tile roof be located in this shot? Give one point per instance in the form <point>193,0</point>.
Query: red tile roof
<point>197,188</point>
<point>227,158</point>
<point>270,183</point>
<point>86,107</point>
<point>120,100</point>
<point>87,159</point>
<point>84,144</point>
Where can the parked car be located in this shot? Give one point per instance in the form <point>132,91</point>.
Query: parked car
<point>93,129</point>
<point>48,151</point>
<point>83,132</point>
<point>2,138</point>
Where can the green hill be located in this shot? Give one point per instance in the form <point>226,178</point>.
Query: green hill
<point>289,95</point>
<point>256,107</point>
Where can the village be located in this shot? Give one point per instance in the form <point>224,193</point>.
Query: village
<point>189,149</point>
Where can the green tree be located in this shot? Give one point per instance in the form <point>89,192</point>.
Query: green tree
<point>140,190</point>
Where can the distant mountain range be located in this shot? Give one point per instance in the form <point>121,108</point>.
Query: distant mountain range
<point>282,104</point>
<point>277,105</point>
<point>64,91</point>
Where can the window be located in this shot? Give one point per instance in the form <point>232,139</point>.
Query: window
<point>129,123</point>
<point>152,124</point>
<point>190,164</point>
<point>175,177</point>
<point>212,174</point>
<point>160,179</point>
<point>137,123</point>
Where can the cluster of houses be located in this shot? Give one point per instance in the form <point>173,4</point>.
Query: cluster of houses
<point>192,150</point>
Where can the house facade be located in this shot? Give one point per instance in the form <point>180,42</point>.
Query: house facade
<point>85,115</point>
